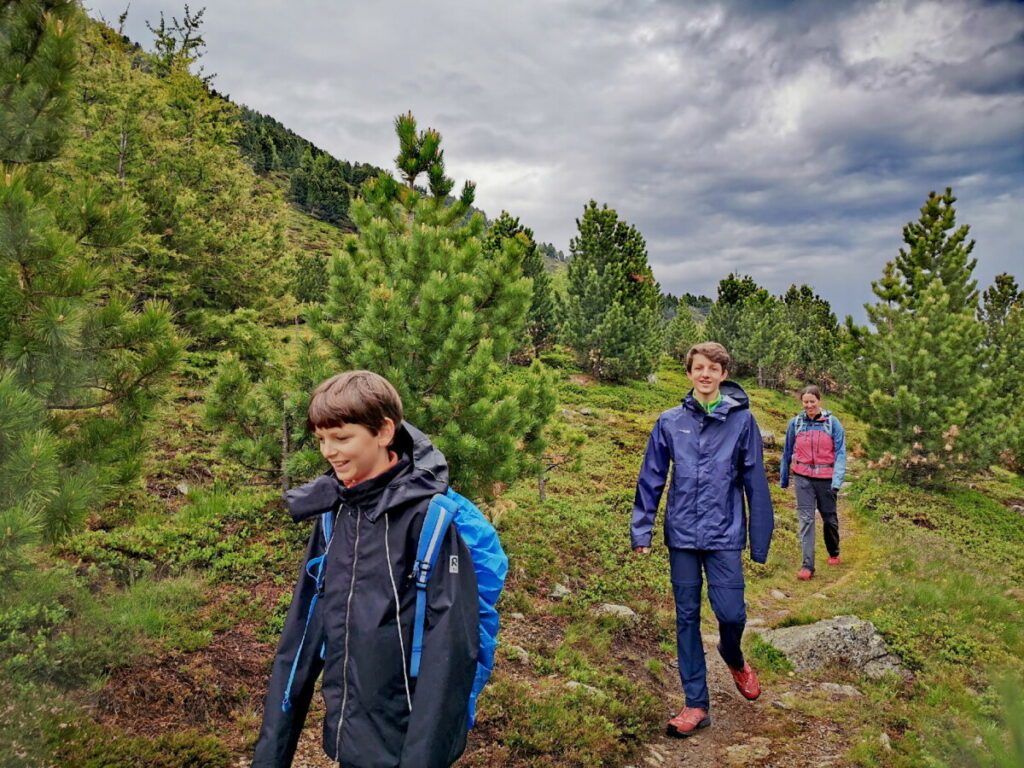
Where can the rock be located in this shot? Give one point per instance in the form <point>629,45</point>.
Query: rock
<point>559,592</point>
<point>519,654</point>
<point>1017,508</point>
<point>837,691</point>
<point>758,748</point>
<point>710,639</point>
<point>885,742</point>
<point>585,412</point>
<point>757,622</point>
<point>619,611</point>
<point>846,640</point>
<point>182,488</point>
<point>566,413</point>
<point>778,594</point>
<point>820,596</point>
<point>517,616</point>
<point>652,379</point>
<point>768,438</point>
<point>589,689</point>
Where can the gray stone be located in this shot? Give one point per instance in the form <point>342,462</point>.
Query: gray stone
<point>837,691</point>
<point>847,640</point>
<point>820,596</point>
<point>886,742</point>
<point>757,622</point>
<point>619,611</point>
<point>517,616</point>
<point>585,412</point>
<point>182,488</point>
<point>559,592</point>
<point>517,653</point>
<point>758,748</point>
<point>768,438</point>
<point>577,686</point>
<point>652,379</point>
<point>778,594</point>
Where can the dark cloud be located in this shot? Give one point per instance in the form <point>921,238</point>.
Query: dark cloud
<point>788,140</point>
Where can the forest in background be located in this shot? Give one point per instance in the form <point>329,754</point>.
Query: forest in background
<point>178,272</point>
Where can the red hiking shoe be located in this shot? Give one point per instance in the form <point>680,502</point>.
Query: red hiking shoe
<point>687,722</point>
<point>804,574</point>
<point>834,560</point>
<point>746,682</point>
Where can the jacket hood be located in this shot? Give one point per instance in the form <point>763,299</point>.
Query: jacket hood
<point>421,472</point>
<point>734,398</point>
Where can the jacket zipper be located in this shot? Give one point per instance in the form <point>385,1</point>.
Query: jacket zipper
<point>348,618</point>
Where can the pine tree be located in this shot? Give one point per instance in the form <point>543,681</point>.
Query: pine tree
<point>817,335</point>
<point>1002,316</point>
<point>681,333</point>
<point>765,343</point>
<point>920,384</point>
<point>613,309</point>
<point>416,299</point>
<point>81,360</point>
<point>724,316</point>
<point>506,231</point>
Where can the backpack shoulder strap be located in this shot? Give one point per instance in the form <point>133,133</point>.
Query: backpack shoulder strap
<point>435,525</point>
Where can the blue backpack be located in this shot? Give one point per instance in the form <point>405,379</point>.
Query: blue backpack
<point>489,562</point>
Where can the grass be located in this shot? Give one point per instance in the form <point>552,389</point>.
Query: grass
<point>938,573</point>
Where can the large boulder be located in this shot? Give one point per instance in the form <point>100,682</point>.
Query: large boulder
<point>842,640</point>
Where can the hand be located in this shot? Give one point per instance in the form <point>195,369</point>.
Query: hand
<point>835,494</point>
<point>641,550</point>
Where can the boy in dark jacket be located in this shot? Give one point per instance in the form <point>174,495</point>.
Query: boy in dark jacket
<point>714,448</point>
<point>357,628</point>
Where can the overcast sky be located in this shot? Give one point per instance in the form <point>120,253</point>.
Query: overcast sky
<point>786,140</point>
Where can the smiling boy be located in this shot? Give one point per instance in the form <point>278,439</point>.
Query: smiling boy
<point>352,613</point>
<point>713,445</point>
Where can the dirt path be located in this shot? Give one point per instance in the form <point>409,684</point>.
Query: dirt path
<point>769,731</point>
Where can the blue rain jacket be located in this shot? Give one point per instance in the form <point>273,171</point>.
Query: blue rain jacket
<point>715,460</point>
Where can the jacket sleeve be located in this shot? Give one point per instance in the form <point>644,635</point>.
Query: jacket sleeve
<point>303,635</point>
<point>787,454</point>
<point>436,735</point>
<point>649,486</point>
<point>839,445</point>
<point>759,500</point>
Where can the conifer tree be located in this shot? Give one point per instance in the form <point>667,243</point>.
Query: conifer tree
<point>80,359</point>
<point>504,232</point>
<point>765,342</point>
<point>415,298</point>
<point>613,309</point>
<point>1002,315</point>
<point>681,333</point>
<point>817,335</point>
<point>919,381</point>
<point>724,316</point>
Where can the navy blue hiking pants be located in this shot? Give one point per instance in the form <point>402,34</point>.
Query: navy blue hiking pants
<point>724,569</point>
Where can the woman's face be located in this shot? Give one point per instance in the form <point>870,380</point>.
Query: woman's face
<point>811,404</point>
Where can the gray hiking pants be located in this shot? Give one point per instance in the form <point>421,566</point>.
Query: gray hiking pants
<point>811,494</point>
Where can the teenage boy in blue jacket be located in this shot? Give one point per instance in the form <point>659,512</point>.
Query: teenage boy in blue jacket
<point>713,446</point>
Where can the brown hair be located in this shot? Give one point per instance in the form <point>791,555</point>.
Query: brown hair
<point>713,351</point>
<point>354,397</point>
<point>810,389</point>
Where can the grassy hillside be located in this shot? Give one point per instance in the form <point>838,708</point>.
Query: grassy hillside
<point>151,633</point>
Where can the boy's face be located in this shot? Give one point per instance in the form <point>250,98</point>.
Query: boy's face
<point>354,451</point>
<point>706,376</point>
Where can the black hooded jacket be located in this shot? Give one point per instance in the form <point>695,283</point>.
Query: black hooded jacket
<point>376,717</point>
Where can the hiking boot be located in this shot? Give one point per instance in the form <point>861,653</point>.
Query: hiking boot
<point>804,574</point>
<point>687,722</point>
<point>834,560</point>
<point>746,682</point>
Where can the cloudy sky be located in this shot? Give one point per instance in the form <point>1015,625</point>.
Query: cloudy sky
<point>786,140</point>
